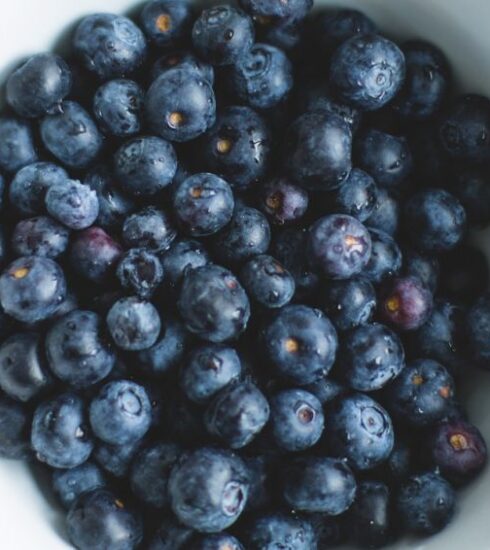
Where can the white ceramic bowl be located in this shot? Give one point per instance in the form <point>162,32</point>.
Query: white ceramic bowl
<point>462,29</point>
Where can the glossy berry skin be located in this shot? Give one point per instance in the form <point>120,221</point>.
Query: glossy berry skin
<point>149,228</point>
<point>357,195</point>
<point>118,107</point>
<point>39,85</point>
<point>73,204</point>
<point>171,535</point>
<point>464,130</point>
<point>370,517</point>
<point>213,304</point>
<point>301,344</point>
<point>150,472</point>
<point>219,541</point>
<point>314,484</point>
<point>237,147</point>
<point>94,255</point>
<point>167,23</point>
<point>434,220</point>
<point>263,77</point>
<point>267,281</point>
<point>180,105</point>
<point>109,45</point>
<point>248,234</point>
<point>145,165</point>
<point>270,9</point>
<point>183,59</point>
<point>276,529</point>
<point>23,371</point>
<point>203,204</point>
<point>120,413</point>
<point>283,201</point>
<point>78,350</point>
<point>360,430</point>
<point>15,423</point>
<point>140,272</point>
<point>134,324</point>
<point>208,489</point>
<point>72,136</point>
<point>207,370</point>
<point>367,71</point>
<point>405,303</point>
<point>69,484</point>
<point>478,331</point>
<point>386,257</point>
<point>458,450</point>
<point>30,184</point>
<point>339,246</point>
<point>296,419</point>
<point>425,503</point>
<point>60,436</point>
<point>182,255</point>
<point>422,393</point>
<point>237,414</point>
<point>40,236</point>
<point>99,520</point>
<point>370,356</point>
<point>317,151</point>
<point>16,144</point>
<point>386,213</point>
<point>387,158</point>
<point>221,35</point>
<point>32,288</point>
<point>423,266</point>
<point>427,81</point>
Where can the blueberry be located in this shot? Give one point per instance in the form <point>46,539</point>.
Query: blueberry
<point>17,147</point>
<point>183,255</point>
<point>218,541</point>
<point>477,331</point>
<point>357,196</point>
<point>422,393</point>
<point>284,33</point>
<point>247,235</point>
<point>301,344</point>
<point>464,130</point>
<point>73,204</point>
<point>116,459</point>
<point>171,535</point>
<point>114,206</point>
<point>317,151</point>
<point>471,187</point>
<point>118,107</point>
<point>267,281</point>
<point>386,213</point>
<point>367,71</point>
<point>72,136</point>
<point>359,430</point>
<point>386,257</point>
<point>78,350</point>
<point>237,414</point>
<point>314,484</point>
<point>208,489</point>
<point>150,472</point>
<point>283,201</point>
<point>427,80</point>
<point>434,220</point>
<point>14,429</point>
<point>207,370</point>
<point>339,246</point>
<point>271,9</point>
<point>203,204</point>
<point>60,437</point>
<point>325,389</point>
<point>180,105</point>
<point>425,503</point>
<point>221,35</point>
<point>149,228</point>
<point>425,267</point>
<point>140,272</point>
<point>94,255</point>
<point>183,59</point>
<point>370,357</point>
<point>259,473</point>
<point>279,530</point>
<point>296,419</point>
<point>144,166</point>
<point>69,484</point>
<point>134,324</point>
<point>32,288</point>
<point>109,45</point>
<point>458,450</point>
<point>237,147</point>
<point>99,520</point>
<point>40,236</point>
<point>262,77</point>
<point>167,22</point>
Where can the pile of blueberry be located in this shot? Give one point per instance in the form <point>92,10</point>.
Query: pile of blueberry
<point>236,290</point>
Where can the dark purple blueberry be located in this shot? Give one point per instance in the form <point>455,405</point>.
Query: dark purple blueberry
<point>283,201</point>
<point>386,257</point>
<point>386,213</point>
<point>357,196</point>
<point>425,267</point>
<point>167,23</point>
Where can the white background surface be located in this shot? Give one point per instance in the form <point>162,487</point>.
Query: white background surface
<point>462,29</point>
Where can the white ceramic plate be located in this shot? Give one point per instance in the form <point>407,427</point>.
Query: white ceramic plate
<point>462,29</point>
